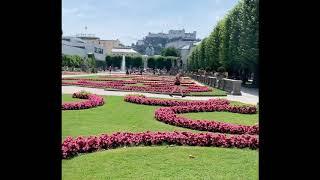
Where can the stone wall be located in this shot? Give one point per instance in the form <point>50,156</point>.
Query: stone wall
<point>230,85</point>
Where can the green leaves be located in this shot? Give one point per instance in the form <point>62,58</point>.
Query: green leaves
<point>233,43</point>
<point>170,51</point>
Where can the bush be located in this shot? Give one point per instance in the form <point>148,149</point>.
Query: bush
<point>161,62</point>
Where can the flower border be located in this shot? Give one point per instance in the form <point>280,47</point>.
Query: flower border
<point>92,101</point>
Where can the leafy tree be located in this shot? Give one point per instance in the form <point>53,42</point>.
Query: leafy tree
<point>170,51</point>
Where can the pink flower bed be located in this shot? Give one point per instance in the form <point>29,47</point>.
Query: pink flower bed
<point>244,136</point>
<point>169,115</point>
<point>92,101</point>
<point>161,88</point>
<point>72,147</point>
<point>140,99</point>
<point>101,79</point>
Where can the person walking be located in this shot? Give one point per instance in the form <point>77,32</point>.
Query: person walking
<point>177,84</point>
<point>141,71</point>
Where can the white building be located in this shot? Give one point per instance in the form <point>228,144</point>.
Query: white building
<point>184,52</point>
<point>77,46</point>
<point>124,52</point>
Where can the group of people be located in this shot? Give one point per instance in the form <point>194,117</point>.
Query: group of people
<point>134,71</point>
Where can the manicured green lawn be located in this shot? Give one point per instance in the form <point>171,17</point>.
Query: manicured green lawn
<point>234,118</point>
<point>115,115</point>
<point>214,92</point>
<point>68,98</point>
<point>118,115</point>
<point>158,162</point>
<point>162,162</point>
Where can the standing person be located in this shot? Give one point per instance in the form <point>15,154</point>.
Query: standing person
<point>177,84</point>
<point>110,69</point>
<point>141,71</point>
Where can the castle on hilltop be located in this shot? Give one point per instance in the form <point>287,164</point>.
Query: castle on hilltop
<point>173,34</point>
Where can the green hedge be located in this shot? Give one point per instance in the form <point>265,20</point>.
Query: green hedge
<point>161,62</point>
<point>233,44</point>
<point>131,61</point>
<point>114,61</point>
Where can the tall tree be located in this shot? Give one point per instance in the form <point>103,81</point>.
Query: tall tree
<point>170,51</point>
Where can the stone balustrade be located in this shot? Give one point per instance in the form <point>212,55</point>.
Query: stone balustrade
<point>230,85</point>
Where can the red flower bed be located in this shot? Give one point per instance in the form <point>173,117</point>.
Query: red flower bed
<point>244,138</point>
<point>140,99</point>
<point>168,114</point>
<point>93,101</point>
<point>165,89</point>
<point>72,147</point>
<point>150,84</point>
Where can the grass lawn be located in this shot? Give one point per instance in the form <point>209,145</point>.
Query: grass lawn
<point>151,162</point>
<point>214,92</point>
<point>161,162</point>
<point>234,118</point>
<point>118,115</point>
<point>68,98</point>
<point>115,115</point>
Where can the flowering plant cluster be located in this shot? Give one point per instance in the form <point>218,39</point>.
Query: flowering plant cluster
<point>121,86</point>
<point>169,115</point>
<point>101,79</point>
<point>72,147</point>
<point>92,101</point>
<point>140,99</point>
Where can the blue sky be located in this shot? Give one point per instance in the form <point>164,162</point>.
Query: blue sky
<point>130,20</point>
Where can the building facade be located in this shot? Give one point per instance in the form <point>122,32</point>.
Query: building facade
<point>108,45</point>
<point>82,48</point>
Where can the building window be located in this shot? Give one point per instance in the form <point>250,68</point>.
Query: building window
<point>98,50</point>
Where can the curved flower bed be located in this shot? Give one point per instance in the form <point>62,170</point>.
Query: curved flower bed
<point>162,85</point>
<point>92,101</point>
<point>243,136</point>
<point>169,115</point>
<point>141,99</point>
<point>72,147</point>
<point>102,79</point>
<point>148,88</point>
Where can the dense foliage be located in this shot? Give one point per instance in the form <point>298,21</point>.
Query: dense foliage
<point>161,62</point>
<point>75,61</point>
<point>170,51</point>
<point>233,44</point>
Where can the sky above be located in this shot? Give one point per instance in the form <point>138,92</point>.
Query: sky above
<point>131,20</point>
